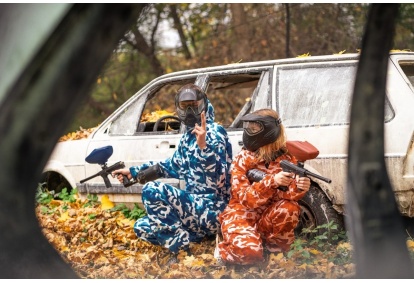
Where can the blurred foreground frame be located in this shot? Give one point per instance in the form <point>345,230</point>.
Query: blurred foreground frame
<point>372,217</point>
<point>50,56</point>
<point>54,75</point>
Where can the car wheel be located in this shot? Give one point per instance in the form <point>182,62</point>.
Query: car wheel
<point>317,210</point>
<point>55,182</point>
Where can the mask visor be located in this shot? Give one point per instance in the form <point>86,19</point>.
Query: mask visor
<point>252,127</point>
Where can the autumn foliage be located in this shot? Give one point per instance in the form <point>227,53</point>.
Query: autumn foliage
<point>98,241</point>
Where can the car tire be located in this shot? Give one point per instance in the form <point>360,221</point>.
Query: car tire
<point>55,182</point>
<point>317,210</point>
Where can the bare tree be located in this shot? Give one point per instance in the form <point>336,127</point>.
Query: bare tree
<point>374,222</point>
<point>138,42</point>
<point>178,26</point>
<point>241,46</point>
<point>287,20</point>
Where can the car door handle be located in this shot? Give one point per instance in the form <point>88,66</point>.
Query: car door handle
<point>165,145</point>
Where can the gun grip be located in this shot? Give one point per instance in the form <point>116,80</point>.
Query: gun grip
<point>107,182</point>
<point>282,188</point>
<point>127,183</point>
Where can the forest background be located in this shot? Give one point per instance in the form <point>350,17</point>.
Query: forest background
<point>173,37</point>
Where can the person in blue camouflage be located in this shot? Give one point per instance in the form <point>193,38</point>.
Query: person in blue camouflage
<point>175,217</point>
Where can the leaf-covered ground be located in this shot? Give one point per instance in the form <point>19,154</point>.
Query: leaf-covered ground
<point>98,242</point>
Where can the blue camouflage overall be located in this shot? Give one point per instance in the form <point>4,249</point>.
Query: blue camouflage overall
<point>177,217</point>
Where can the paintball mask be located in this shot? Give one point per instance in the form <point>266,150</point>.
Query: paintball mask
<point>190,103</point>
<point>259,131</point>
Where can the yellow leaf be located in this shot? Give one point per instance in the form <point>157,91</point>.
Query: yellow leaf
<point>64,216</point>
<point>345,245</point>
<point>277,257</point>
<point>340,52</point>
<point>125,222</point>
<point>410,244</point>
<point>155,115</point>
<point>65,249</point>
<point>304,55</point>
<point>106,203</point>
<point>55,203</point>
<point>190,261</point>
<point>315,252</point>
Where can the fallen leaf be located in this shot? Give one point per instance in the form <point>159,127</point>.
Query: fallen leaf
<point>64,216</point>
<point>106,203</point>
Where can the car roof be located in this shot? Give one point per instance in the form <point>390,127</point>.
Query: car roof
<point>301,59</point>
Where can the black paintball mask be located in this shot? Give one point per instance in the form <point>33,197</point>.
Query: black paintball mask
<point>259,131</point>
<point>190,103</point>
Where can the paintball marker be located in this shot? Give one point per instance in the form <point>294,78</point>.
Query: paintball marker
<point>303,151</point>
<point>100,156</point>
<point>255,175</point>
<point>299,170</point>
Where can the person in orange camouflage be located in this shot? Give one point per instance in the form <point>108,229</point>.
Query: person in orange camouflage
<point>260,214</point>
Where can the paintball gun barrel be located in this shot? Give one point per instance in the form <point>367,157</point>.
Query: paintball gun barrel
<point>299,170</point>
<point>255,175</point>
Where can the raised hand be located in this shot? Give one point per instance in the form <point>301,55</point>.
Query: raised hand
<point>200,132</point>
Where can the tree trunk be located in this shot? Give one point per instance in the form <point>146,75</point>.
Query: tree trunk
<point>179,27</point>
<point>241,46</point>
<point>287,30</point>
<point>373,219</point>
<point>34,111</point>
<point>142,47</point>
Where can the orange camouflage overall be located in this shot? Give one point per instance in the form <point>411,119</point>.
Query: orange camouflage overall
<point>258,214</point>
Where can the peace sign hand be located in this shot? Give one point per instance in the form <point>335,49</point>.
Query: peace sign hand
<point>200,132</point>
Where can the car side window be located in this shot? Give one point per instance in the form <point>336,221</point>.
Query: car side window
<point>126,122</point>
<point>317,95</point>
<point>141,115</point>
<point>158,115</point>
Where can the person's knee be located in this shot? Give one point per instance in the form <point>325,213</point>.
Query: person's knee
<point>149,191</point>
<point>290,207</point>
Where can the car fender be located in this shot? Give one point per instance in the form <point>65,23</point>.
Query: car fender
<point>58,167</point>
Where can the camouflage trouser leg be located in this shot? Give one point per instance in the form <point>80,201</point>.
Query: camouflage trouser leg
<point>241,241</point>
<point>245,232</point>
<point>277,225</point>
<point>174,218</point>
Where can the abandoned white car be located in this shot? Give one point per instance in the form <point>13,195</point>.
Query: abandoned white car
<point>313,97</point>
